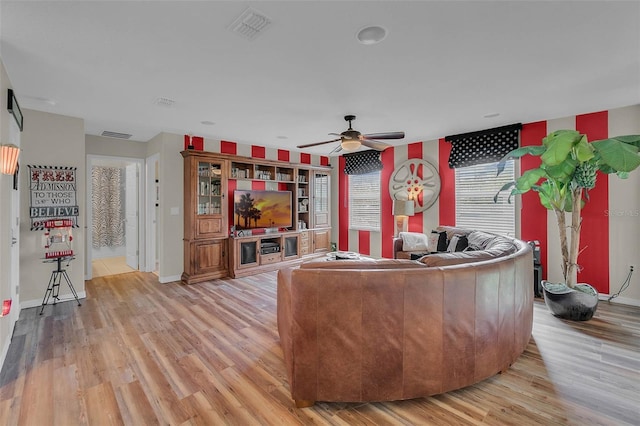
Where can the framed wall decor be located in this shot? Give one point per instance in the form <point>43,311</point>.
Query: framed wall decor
<point>52,191</point>
<point>14,109</point>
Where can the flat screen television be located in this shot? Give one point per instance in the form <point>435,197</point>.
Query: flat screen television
<point>262,209</point>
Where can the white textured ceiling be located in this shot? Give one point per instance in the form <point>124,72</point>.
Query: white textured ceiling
<point>440,70</point>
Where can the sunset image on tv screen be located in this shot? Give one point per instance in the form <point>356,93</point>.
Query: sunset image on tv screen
<point>262,209</point>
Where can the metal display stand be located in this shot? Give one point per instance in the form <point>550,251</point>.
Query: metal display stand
<point>53,290</point>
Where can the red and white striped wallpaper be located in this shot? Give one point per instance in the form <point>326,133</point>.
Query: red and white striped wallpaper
<point>610,240</point>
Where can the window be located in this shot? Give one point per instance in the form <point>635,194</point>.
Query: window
<point>475,188</point>
<point>364,202</point>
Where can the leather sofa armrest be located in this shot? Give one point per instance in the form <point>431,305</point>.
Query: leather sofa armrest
<point>397,246</point>
<point>285,317</point>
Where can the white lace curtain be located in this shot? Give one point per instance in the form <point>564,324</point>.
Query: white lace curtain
<point>108,215</point>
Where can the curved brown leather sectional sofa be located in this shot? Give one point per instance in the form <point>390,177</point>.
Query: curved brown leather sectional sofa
<point>390,329</point>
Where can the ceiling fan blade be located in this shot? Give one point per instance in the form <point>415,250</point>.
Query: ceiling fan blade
<point>387,135</point>
<point>373,144</point>
<point>336,150</point>
<point>307,145</point>
<point>346,136</point>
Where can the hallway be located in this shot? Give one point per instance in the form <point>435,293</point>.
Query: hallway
<point>110,266</point>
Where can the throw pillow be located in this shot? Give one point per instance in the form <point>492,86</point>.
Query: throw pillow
<point>414,241</point>
<point>457,243</point>
<point>437,241</point>
<point>433,241</point>
<point>479,240</point>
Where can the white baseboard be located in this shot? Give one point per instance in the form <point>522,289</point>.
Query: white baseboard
<point>63,298</point>
<point>169,279</point>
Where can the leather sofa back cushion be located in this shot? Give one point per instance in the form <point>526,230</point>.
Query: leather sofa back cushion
<point>446,259</point>
<point>366,263</point>
<point>497,248</point>
<point>479,240</point>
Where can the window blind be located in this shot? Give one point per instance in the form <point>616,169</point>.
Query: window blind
<point>364,202</point>
<point>321,194</point>
<point>475,188</point>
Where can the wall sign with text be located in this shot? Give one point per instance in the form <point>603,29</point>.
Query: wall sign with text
<point>52,195</point>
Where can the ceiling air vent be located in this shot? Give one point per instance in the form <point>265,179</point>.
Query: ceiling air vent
<point>116,135</point>
<point>250,24</point>
<point>164,102</point>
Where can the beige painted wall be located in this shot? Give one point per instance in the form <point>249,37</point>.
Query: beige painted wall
<point>50,140</point>
<point>170,213</point>
<point>99,145</point>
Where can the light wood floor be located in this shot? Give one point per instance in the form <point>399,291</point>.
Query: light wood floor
<point>142,353</point>
<point>110,266</point>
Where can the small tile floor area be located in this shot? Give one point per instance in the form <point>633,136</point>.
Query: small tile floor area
<point>110,266</point>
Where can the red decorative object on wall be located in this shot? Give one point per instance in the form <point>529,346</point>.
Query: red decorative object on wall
<point>195,143</point>
<point>6,308</point>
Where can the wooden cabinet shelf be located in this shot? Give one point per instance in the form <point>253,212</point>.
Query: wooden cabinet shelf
<point>257,254</point>
<point>205,223</point>
<point>211,250</point>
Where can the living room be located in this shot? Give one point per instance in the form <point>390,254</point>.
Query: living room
<point>59,138</point>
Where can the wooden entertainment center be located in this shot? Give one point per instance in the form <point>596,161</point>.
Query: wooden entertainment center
<point>215,248</point>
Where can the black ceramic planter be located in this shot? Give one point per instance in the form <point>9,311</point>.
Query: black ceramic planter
<point>570,304</point>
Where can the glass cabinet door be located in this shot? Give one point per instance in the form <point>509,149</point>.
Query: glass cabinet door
<point>210,191</point>
<point>321,208</point>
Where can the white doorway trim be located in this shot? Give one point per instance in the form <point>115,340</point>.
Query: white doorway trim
<point>152,201</point>
<point>14,229</point>
<point>91,161</point>
<point>132,215</point>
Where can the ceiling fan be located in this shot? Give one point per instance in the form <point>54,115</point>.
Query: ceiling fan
<point>350,139</point>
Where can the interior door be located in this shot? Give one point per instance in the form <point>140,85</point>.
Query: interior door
<point>131,215</point>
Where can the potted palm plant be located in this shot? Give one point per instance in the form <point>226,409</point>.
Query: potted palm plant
<point>569,163</point>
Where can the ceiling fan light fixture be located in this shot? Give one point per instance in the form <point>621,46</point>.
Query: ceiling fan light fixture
<point>350,144</point>
<point>371,35</point>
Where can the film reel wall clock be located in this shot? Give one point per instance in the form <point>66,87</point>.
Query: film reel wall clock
<point>417,180</point>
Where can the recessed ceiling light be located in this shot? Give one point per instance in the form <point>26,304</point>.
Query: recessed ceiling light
<point>371,35</point>
<point>207,123</point>
<point>491,115</point>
